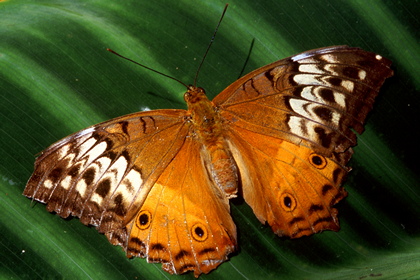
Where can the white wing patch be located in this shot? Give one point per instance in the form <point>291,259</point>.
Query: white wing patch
<point>296,125</point>
<point>48,184</point>
<point>66,182</point>
<point>308,109</point>
<point>307,79</point>
<point>96,151</point>
<point>311,68</point>
<point>330,58</point>
<point>81,187</point>
<point>98,199</point>
<point>349,85</point>
<point>132,179</point>
<point>362,74</point>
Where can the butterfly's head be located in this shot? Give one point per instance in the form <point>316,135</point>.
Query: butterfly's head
<point>195,95</point>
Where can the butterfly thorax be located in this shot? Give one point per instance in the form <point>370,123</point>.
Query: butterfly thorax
<point>206,126</point>
<point>205,119</point>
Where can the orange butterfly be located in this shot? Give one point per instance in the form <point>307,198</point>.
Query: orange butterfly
<point>158,183</point>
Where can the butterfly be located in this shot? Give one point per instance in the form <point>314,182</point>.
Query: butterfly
<point>158,183</point>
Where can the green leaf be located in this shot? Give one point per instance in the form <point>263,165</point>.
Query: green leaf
<point>56,77</point>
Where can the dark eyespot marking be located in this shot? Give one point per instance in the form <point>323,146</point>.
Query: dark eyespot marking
<point>317,161</point>
<point>199,232</point>
<point>287,202</point>
<point>144,219</point>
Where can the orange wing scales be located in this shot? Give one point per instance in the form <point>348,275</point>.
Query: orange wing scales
<point>158,183</point>
<point>184,223</point>
<point>289,186</point>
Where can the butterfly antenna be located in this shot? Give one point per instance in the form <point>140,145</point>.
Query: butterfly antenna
<point>211,42</point>
<point>144,66</point>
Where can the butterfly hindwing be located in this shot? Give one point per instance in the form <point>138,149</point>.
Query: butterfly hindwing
<point>288,186</point>
<point>184,222</point>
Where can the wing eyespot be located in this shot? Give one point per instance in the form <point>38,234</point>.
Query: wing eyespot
<point>288,202</point>
<point>317,161</point>
<point>199,232</point>
<point>144,220</point>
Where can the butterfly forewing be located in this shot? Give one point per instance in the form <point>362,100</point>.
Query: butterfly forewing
<point>102,172</point>
<point>317,97</point>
